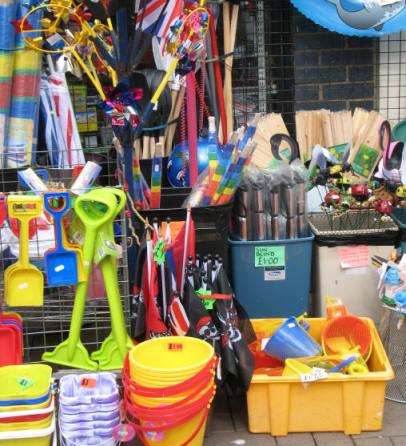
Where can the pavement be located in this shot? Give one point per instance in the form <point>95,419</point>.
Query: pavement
<point>227,426</point>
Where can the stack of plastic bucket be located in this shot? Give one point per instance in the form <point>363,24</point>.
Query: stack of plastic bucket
<point>26,405</point>
<point>168,390</point>
<point>89,409</point>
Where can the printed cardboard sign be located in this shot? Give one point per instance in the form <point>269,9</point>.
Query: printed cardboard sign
<point>267,256</point>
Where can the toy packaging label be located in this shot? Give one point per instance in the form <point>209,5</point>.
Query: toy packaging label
<point>87,120</point>
<point>338,151</point>
<point>365,161</point>
<point>274,273</point>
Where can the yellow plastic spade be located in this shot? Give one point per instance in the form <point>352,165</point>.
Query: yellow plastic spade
<point>24,282</point>
<point>339,344</point>
<point>72,353</point>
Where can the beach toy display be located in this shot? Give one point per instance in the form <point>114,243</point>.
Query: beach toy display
<point>89,409</point>
<point>26,405</point>
<point>168,389</point>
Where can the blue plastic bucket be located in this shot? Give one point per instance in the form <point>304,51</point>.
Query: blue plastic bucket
<point>267,291</point>
<point>290,340</point>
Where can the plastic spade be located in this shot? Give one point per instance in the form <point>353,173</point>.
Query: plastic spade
<point>78,250</point>
<point>61,264</point>
<point>24,282</point>
<point>72,352</point>
<point>114,348</point>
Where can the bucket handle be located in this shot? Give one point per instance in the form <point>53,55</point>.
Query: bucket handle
<point>302,322</point>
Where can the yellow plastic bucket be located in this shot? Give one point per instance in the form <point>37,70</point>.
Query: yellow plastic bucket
<point>176,436</point>
<point>39,437</point>
<point>26,407</point>
<point>171,355</point>
<point>176,358</point>
<point>41,424</point>
<point>156,380</point>
<point>168,399</point>
<point>20,382</point>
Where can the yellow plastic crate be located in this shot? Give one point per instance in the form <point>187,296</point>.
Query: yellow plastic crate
<point>279,405</point>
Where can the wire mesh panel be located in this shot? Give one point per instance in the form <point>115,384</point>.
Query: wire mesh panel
<point>392,76</point>
<point>355,222</point>
<point>284,62</point>
<point>393,333</point>
<point>263,61</point>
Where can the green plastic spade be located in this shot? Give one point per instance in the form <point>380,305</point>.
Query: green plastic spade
<point>72,353</point>
<point>114,348</point>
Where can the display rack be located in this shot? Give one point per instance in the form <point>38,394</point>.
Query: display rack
<point>47,326</point>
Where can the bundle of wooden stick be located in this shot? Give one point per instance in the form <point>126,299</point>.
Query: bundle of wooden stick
<point>267,126</point>
<point>230,21</point>
<point>333,129</point>
<point>322,127</point>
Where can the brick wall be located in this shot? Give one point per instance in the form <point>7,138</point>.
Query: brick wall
<point>330,70</point>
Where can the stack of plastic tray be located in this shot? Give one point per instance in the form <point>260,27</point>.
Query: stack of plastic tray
<point>89,409</point>
<point>26,405</point>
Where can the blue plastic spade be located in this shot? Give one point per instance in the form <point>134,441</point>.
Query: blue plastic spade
<point>61,264</point>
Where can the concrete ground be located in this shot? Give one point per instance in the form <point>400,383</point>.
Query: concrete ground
<point>228,427</point>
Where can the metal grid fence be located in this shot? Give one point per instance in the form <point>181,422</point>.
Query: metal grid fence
<point>271,57</point>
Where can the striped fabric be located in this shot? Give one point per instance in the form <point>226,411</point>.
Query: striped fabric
<point>156,179</point>
<point>8,13</point>
<point>153,9</point>
<point>23,107</point>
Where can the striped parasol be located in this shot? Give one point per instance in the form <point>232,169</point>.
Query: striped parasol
<point>24,97</point>
<point>23,108</point>
<point>8,12</point>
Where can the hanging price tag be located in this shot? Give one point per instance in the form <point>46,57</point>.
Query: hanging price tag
<point>159,252</point>
<point>315,375</point>
<point>88,382</point>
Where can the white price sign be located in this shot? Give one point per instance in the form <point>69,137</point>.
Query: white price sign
<point>315,375</point>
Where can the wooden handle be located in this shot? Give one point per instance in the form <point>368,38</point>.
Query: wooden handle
<point>228,70</point>
<point>146,154</point>
<point>172,128</point>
